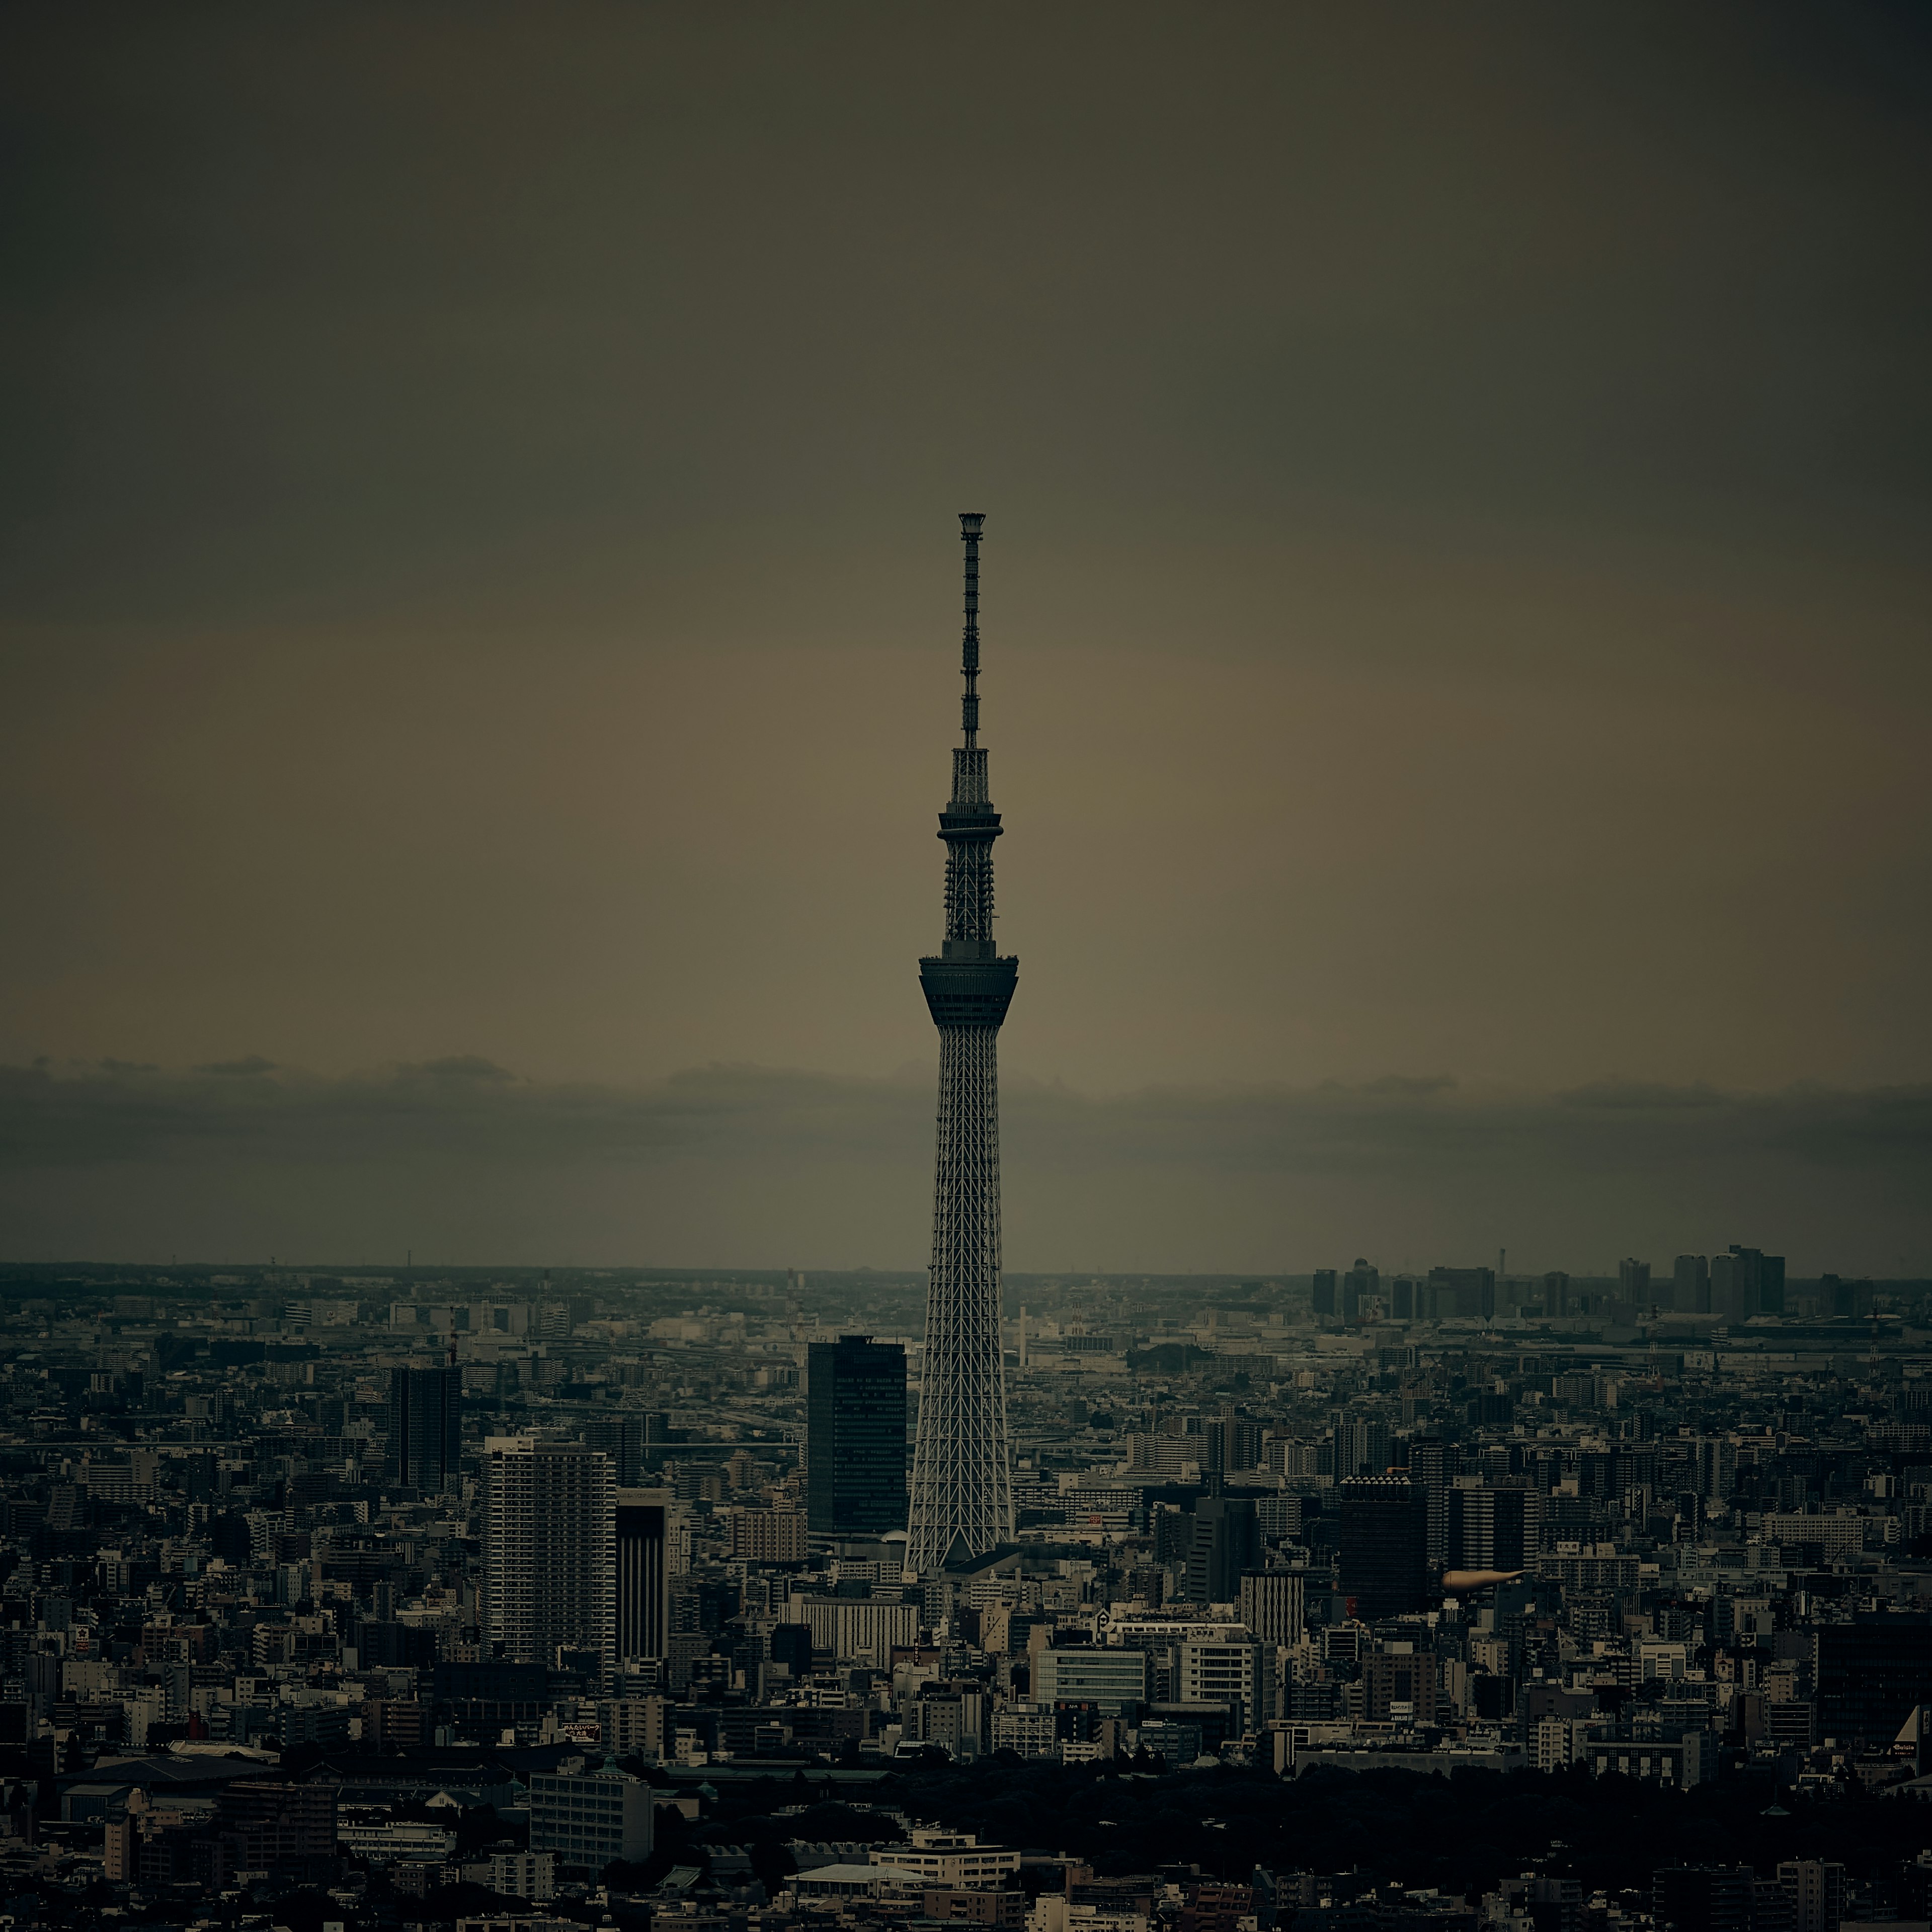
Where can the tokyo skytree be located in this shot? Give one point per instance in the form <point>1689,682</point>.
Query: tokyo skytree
<point>961,1489</point>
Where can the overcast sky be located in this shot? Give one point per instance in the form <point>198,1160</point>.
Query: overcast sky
<point>479,585</point>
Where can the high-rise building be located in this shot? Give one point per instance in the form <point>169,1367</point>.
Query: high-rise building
<point>1555,1293</point>
<point>1273,1605</point>
<point>1763,1277</point>
<point>1226,1541</point>
<point>1746,1282</point>
<point>1433,1465</point>
<point>1464,1292</point>
<point>425,1445</point>
<point>1487,1526</point>
<point>1362,1284</point>
<point>1323,1286</point>
<point>1633,1281</point>
<point>1690,1284</point>
<point>621,1439</point>
<point>1872,1674</point>
<point>1364,1447</point>
<point>961,1490</point>
<point>855,1437</point>
<point>1384,1535</point>
<point>548,1568</point>
<point>641,1527</point>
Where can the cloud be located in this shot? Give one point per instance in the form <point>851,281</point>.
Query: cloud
<point>1648,1095</point>
<point>728,1165</point>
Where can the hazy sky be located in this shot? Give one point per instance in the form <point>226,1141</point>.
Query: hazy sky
<point>479,582</point>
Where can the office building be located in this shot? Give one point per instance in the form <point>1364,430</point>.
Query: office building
<point>1633,1282</point>
<point>621,1439</point>
<point>855,1411</point>
<point>1324,1292</point>
<point>1360,1286</point>
<point>1240,1675</point>
<point>1872,1673</point>
<point>1273,1605</point>
<point>548,1559</point>
<point>641,1535</point>
<point>1746,1282</point>
<point>1467,1294</point>
<point>1398,1685</point>
<point>1433,1466</point>
<point>1384,1544</point>
<point>1226,1541</point>
<point>1555,1294</point>
<point>1114,1682</point>
<point>961,1496</point>
<point>768,1536</point>
<point>586,1819</point>
<point>425,1445</point>
<point>1488,1526</point>
<point>1364,1447</point>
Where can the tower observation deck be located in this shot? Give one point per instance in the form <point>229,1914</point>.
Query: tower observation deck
<point>961,1487</point>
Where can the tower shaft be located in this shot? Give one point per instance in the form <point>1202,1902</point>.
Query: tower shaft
<point>961,1487</point>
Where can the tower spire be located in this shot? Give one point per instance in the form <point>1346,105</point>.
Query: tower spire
<point>971,522</point>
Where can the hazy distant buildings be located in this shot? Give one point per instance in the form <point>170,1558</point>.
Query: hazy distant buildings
<point>1633,1282</point>
<point>1691,1286</point>
<point>548,1571</point>
<point>1361,1285</point>
<point>425,1444</point>
<point>1464,1293</point>
<point>1746,1282</point>
<point>1324,1292</point>
<point>855,1437</point>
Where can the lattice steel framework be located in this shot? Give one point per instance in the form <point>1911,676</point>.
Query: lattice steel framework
<point>962,1488</point>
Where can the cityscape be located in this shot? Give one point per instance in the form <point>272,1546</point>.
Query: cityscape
<point>580,1349</point>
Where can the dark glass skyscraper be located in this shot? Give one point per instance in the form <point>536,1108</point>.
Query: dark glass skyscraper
<point>1226,1541</point>
<point>855,1416</point>
<point>644,1593</point>
<point>425,1428</point>
<point>1384,1545</point>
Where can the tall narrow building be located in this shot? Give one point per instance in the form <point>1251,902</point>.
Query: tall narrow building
<point>961,1502</point>
<point>855,1437</point>
<point>548,1568</point>
<point>643,1574</point>
<point>425,1445</point>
